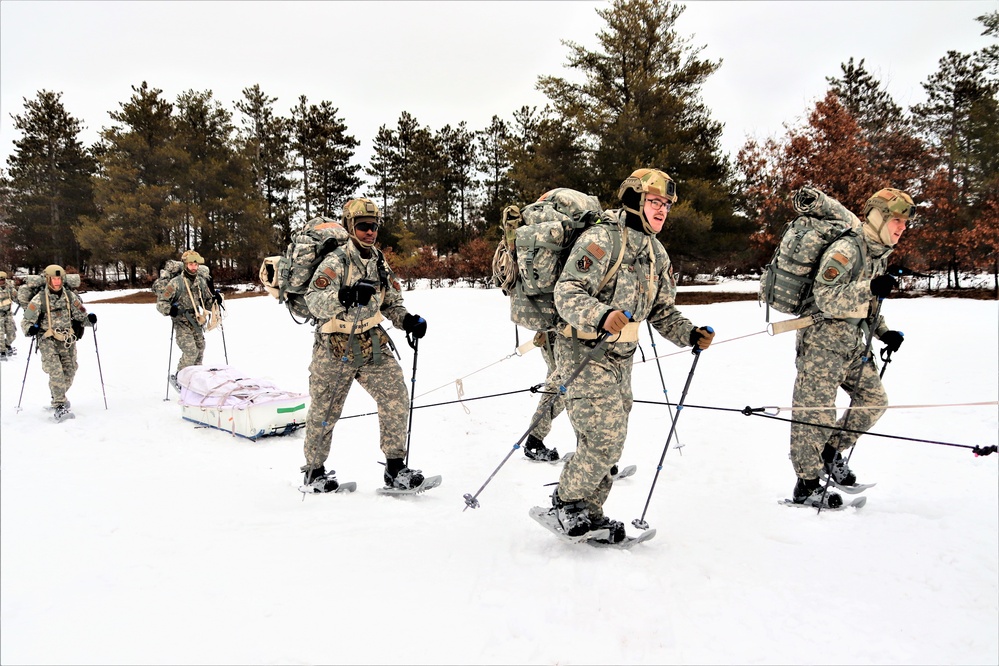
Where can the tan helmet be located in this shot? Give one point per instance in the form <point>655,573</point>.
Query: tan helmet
<point>357,209</point>
<point>883,206</point>
<point>191,255</point>
<point>52,271</point>
<point>3,275</point>
<point>641,183</point>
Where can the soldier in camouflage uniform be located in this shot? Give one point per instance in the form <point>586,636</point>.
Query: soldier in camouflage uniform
<point>56,316</point>
<point>351,292</point>
<point>599,399</point>
<point>8,331</point>
<point>830,354</point>
<point>187,300</point>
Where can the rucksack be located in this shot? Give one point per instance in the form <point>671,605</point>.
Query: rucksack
<point>787,281</point>
<point>286,277</point>
<point>34,283</point>
<point>536,242</point>
<point>172,269</point>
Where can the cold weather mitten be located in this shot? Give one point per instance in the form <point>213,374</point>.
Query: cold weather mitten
<point>893,340</point>
<point>414,324</point>
<point>701,337</point>
<point>882,285</point>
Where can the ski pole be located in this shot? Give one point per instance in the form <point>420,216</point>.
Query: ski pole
<point>846,419</point>
<point>23,381</point>
<point>413,342</point>
<point>173,325</point>
<point>662,381</point>
<point>640,522</point>
<point>101,372</point>
<point>471,501</point>
<point>886,358</point>
<point>225,349</point>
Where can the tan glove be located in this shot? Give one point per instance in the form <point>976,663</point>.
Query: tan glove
<point>701,337</point>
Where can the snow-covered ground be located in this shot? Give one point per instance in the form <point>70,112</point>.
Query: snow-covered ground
<point>130,536</point>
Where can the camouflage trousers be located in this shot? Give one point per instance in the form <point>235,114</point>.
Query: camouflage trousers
<point>830,357</point>
<point>191,340</point>
<point>330,378</point>
<point>7,330</point>
<point>599,401</point>
<point>59,363</point>
<point>551,403</point>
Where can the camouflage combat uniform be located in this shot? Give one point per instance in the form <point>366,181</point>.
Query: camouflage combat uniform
<point>8,296</point>
<point>599,399</point>
<point>55,312</point>
<point>369,354</point>
<point>829,354</point>
<point>190,321</point>
<point>551,403</point>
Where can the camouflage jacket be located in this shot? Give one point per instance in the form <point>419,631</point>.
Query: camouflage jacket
<point>343,267</point>
<point>54,310</point>
<point>8,296</point>
<point>840,295</point>
<point>176,292</point>
<point>643,284</point>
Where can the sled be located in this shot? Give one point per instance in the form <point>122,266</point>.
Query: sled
<point>226,399</point>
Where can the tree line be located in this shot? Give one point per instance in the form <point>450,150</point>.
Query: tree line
<point>190,173</point>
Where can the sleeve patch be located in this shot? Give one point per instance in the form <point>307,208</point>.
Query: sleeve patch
<point>321,282</point>
<point>396,285</point>
<point>583,264</point>
<point>841,258</point>
<point>330,272</point>
<point>830,274</point>
<point>596,251</point>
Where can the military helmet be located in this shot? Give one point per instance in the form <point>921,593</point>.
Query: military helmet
<point>191,255</point>
<point>54,270</point>
<point>643,182</point>
<point>3,275</point>
<point>356,209</point>
<point>891,203</point>
<point>649,181</point>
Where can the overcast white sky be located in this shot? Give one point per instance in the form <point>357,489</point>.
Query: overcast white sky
<point>445,62</point>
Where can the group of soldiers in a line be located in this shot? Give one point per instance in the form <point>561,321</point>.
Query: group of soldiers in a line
<point>354,289</point>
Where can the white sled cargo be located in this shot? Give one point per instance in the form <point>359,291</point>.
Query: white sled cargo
<point>226,399</point>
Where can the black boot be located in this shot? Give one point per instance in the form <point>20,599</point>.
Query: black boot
<point>318,480</point>
<point>810,492</point>
<point>535,449</point>
<point>400,477</point>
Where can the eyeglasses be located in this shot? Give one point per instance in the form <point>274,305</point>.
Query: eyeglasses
<point>366,226</point>
<point>659,204</point>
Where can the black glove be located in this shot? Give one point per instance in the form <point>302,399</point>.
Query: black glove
<point>414,324</point>
<point>218,297</point>
<point>882,285</point>
<point>700,338</point>
<point>33,329</point>
<point>92,318</point>
<point>893,340</point>
<point>359,293</point>
<point>174,310</point>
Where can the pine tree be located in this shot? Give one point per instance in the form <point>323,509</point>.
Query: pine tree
<point>48,184</point>
<point>136,191</point>
<point>640,106</point>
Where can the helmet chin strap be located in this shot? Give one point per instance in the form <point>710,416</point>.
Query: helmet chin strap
<point>877,229</point>
<point>640,213</point>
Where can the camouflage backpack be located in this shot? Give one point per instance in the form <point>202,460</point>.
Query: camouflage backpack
<point>34,283</point>
<point>530,256</point>
<point>172,269</point>
<point>786,283</point>
<point>286,277</point>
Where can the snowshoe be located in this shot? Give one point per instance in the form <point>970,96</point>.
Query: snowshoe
<point>62,413</point>
<point>318,480</point>
<point>811,494</point>
<point>405,479</point>
<point>174,383</point>
<point>840,471</point>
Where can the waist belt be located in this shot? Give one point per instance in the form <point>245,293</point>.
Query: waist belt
<point>341,326</point>
<point>628,334</point>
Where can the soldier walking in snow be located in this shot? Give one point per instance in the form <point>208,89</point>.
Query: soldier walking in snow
<point>187,300</point>
<point>599,400</point>
<point>351,292</point>
<point>56,315</point>
<point>7,329</point>
<point>830,354</point>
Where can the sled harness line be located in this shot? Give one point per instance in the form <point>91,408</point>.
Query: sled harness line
<point>762,411</point>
